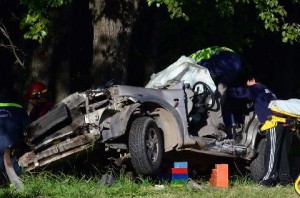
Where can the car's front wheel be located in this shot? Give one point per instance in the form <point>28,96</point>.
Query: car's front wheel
<point>145,146</point>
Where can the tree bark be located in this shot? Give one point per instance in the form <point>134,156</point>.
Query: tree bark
<point>112,22</point>
<point>40,64</point>
<point>50,62</point>
<point>60,79</point>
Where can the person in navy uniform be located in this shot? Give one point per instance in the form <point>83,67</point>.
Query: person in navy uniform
<point>222,62</point>
<point>224,65</point>
<point>278,138</point>
<point>13,121</point>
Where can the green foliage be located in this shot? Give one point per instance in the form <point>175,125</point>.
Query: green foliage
<point>270,12</point>
<point>36,21</point>
<point>174,7</point>
<point>37,26</point>
<point>225,7</point>
<point>291,32</point>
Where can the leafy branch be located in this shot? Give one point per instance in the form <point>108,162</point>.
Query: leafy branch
<point>270,12</point>
<point>36,21</point>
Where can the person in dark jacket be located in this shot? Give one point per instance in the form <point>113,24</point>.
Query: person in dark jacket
<point>222,62</point>
<point>13,121</point>
<point>224,65</point>
<point>278,138</point>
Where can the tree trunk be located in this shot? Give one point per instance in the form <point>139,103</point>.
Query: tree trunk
<point>40,64</point>
<point>112,22</point>
<point>60,79</point>
<point>50,62</point>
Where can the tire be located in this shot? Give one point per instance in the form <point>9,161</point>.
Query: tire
<point>257,166</point>
<point>145,146</point>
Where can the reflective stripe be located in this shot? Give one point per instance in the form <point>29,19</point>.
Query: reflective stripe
<point>10,105</point>
<point>43,91</point>
<point>272,154</point>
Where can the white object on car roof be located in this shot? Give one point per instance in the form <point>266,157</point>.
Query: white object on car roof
<point>185,69</point>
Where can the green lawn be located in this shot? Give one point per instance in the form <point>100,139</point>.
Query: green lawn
<point>44,185</point>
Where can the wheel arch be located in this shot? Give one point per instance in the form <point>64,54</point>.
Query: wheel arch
<point>169,124</point>
<point>172,136</point>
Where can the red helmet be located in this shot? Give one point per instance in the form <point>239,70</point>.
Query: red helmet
<point>37,90</point>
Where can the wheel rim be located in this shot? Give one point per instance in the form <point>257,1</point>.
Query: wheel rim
<point>152,146</point>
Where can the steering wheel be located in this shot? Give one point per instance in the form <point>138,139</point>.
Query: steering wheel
<point>201,97</point>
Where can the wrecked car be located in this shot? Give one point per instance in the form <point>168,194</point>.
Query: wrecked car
<point>143,123</point>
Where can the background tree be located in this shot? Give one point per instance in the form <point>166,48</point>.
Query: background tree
<point>111,23</point>
<point>112,28</point>
<point>80,44</point>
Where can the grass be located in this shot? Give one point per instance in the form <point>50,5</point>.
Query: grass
<point>46,185</point>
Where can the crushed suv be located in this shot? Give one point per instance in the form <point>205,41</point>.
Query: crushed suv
<point>142,124</point>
